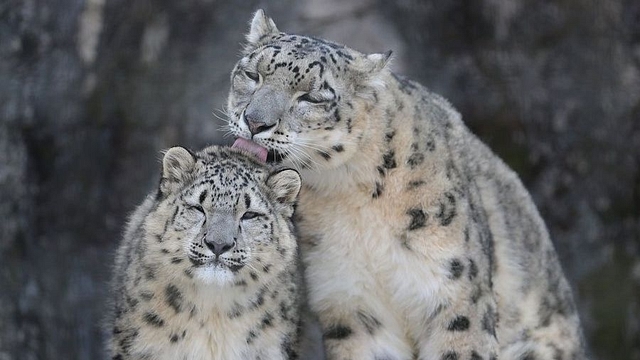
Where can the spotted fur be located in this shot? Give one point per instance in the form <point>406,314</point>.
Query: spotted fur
<point>175,298</point>
<point>418,242</point>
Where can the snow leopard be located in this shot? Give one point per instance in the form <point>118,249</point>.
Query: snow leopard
<point>207,268</point>
<point>417,241</point>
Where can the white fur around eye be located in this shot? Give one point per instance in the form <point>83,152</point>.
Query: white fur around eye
<point>188,218</point>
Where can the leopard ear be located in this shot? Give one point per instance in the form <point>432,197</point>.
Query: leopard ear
<point>261,26</point>
<point>367,70</point>
<point>285,185</point>
<point>372,64</point>
<point>177,166</point>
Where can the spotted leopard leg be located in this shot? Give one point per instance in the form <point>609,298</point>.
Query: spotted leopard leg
<point>464,329</point>
<point>362,334</point>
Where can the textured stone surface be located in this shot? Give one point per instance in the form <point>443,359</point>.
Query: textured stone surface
<point>92,90</point>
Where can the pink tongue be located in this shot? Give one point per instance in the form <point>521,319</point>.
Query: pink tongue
<point>250,146</point>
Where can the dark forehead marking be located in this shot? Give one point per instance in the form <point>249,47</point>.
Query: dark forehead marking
<point>304,46</point>
<point>229,189</point>
<point>327,43</point>
<point>344,55</point>
<point>230,169</point>
<point>225,170</point>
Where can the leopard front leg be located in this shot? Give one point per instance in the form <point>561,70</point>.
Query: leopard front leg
<point>363,333</point>
<point>346,299</point>
<point>463,328</point>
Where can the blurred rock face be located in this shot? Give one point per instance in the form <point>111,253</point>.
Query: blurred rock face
<point>92,90</point>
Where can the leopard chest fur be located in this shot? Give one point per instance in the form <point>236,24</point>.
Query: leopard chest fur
<point>196,340</point>
<point>357,249</point>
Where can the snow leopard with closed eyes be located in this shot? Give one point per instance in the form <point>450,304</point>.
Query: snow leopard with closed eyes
<point>207,268</point>
<point>418,242</point>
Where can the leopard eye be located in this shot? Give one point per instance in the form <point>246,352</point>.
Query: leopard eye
<point>308,98</point>
<point>253,76</point>
<point>197,207</point>
<point>250,215</point>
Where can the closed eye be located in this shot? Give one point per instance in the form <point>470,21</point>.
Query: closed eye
<point>250,215</point>
<point>253,76</point>
<point>308,98</point>
<point>197,207</point>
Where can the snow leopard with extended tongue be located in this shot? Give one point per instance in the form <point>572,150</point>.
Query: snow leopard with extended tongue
<point>418,242</point>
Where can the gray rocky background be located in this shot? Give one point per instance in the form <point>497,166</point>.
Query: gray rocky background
<point>92,90</point>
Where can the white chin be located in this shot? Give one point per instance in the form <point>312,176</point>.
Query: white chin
<point>214,275</point>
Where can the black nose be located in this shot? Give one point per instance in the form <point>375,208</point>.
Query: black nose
<point>220,247</point>
<point>256,126</point>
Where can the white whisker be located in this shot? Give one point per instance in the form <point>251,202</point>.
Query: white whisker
<point>220,115</point>
<point>299,153</point>
<point>297,156</point>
